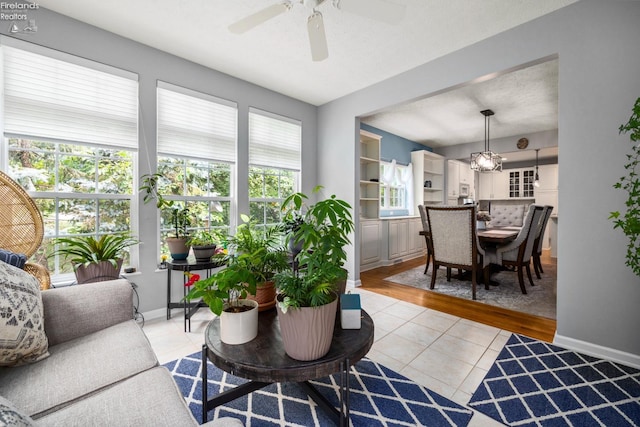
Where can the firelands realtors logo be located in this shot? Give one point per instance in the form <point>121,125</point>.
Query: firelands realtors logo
<point>18,14</point>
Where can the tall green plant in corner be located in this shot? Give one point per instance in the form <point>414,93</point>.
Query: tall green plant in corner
<point>629,222</point>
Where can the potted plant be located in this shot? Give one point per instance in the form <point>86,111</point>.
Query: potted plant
<point>179,216</point>
<point>291,223</point>
<point>225,293</point>
<point>629,222</point>
<point>481,220</point>
<point>263,257</point>
<point>203,243</point>
<point>308,294</point>
<point>95,260</point>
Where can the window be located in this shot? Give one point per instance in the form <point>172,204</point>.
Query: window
<point>196,156</point>
<point>71,140</point>
<point>274,163</point>
<point>393,188</point>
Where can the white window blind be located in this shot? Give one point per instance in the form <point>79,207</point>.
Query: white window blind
<point>274,141</point>
<point>195,124</point>
<point>53,99</point>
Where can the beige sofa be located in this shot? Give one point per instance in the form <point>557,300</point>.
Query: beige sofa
<point>101,369</point>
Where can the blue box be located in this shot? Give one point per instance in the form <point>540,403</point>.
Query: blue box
<point>350,311</point>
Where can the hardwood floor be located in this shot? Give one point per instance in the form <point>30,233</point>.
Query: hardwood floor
<point>522,323</point>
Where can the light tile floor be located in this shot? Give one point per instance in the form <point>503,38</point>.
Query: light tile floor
<point>445,353</point>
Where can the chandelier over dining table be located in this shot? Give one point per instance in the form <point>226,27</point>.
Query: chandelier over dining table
<point>487,160</point>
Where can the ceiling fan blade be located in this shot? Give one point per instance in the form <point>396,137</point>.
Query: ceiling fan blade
<point>380,10</point>
<point>252,21</point>
<point>317,37</point>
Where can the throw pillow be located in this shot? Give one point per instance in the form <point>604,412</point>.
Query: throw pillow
<point>11,416</point>
<point>17,260</point>
<point>22,335</point>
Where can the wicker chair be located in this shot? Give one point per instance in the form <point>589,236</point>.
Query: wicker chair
<point>454,240</point>
<point>21,226</point>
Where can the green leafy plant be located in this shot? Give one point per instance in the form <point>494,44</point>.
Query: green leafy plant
<point>263,254</point>
<point>323,233</point>
<point>629,222</point>
<point>203,238</point>
<point>180,216</point>
<point>226,287</point>
<point>85,250</point>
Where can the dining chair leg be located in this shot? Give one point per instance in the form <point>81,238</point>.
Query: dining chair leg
<point>434,272</point>
<point>536,265</point>
<point>473,284</point>
<point>486,276</point>
<point>426,268</point>
<point>521,280</point>
<point>448,274</point>
<point>529,274</point>
<point>538,259</point>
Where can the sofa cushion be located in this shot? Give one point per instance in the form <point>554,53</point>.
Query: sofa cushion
<point>22,335</point>
<point>12,258</point>
<point>11,416</point>
<point>77,368</point>
<point>150,398</point>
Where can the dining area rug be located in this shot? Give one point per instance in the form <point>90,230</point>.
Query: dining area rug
<point>378,397</point>
<point>535,383</point>
<point>540,299</point>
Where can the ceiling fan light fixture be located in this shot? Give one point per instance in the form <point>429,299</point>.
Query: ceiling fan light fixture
<point>487,160</point>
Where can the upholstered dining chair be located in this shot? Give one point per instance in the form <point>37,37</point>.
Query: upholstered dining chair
<point>454,240</point>
<point>21,226</point>
<point>537,244</point>
<point>427,236</point>
<point>517,253</point>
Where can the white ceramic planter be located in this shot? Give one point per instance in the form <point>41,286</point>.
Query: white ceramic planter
<point>239,328</point>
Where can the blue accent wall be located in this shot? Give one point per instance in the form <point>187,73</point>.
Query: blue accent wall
<point>394,146</point>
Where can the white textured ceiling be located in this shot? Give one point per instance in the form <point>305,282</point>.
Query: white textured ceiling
<point>524,101</point>
<point>362,52</point>
<point>276,54</point>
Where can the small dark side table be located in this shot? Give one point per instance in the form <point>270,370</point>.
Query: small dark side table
<point>187,265</point>
<point>264,361</point>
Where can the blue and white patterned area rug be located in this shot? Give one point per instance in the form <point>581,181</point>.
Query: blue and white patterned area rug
<point>378,397</point>
<point>533,383</point>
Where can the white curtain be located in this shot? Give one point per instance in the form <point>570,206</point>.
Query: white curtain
<point>387,179</point>
<point>407,180</point>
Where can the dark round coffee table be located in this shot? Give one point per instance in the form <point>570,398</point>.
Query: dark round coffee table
<point>264,361</point>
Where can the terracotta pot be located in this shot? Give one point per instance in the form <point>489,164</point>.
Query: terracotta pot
<point>204,253</point>
<point>178,247</point>
<point>307,332</point>
<point>265,295</point>
<point>239,328</point>
<point>103,270</point>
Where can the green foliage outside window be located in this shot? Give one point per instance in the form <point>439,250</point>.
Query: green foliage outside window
<point>79,190</point>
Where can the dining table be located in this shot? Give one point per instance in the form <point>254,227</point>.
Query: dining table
<point>497,235</point>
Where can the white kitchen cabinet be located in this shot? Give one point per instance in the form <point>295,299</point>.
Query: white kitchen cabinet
<point>453,179</point>
<point>416,241</point>
<point>398,238</point>
<point>548,175</point>
<point>370,243</point>
<point>494,185</point>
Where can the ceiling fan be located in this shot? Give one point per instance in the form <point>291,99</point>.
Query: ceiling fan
<point>380,10</point>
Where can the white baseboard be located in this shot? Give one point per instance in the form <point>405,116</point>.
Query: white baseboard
<point>595,350</point>
<point>353,283</point>
<point>155,314</point>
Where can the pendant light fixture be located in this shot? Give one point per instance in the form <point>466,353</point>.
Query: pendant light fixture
<point>487,160</point>
<point>537,179</point>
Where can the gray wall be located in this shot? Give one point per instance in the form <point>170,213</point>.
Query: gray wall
<point>599,64</point>
<point>71,36</point>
